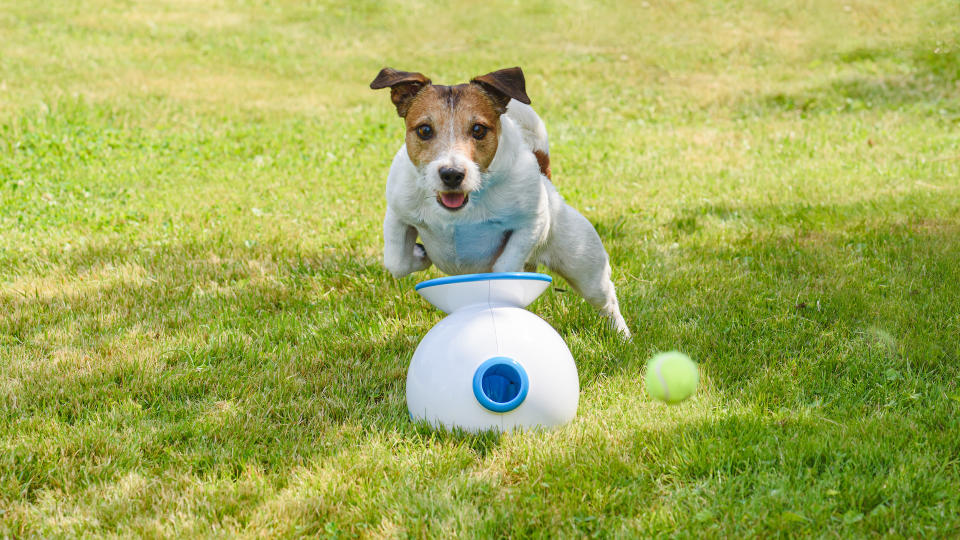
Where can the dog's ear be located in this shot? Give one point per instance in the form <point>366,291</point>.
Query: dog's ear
<point>403,86</point>
<point>503,85</point>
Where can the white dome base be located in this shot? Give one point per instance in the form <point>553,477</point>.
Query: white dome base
<point>491,365</point>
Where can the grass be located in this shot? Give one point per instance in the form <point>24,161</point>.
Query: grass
<point>198,338</point>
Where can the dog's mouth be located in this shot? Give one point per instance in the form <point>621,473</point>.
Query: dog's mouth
<point>452,200</point>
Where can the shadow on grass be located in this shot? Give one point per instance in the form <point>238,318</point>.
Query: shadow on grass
<point>215,359</point>
<point>758,473</point>
<point>809,299</point>
<point>745,471</point>
<point>481,444</point>
<point>202,357</point>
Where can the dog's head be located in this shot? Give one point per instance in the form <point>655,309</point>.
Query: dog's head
<point>452,131</point>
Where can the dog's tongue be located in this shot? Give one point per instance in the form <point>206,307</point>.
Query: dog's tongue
<point>452,199</point>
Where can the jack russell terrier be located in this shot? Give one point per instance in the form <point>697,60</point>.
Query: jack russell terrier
<point>473,182</point>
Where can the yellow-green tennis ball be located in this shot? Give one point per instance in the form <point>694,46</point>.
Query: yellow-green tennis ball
<point>672,377</point>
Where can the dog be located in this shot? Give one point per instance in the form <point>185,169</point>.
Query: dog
<point>473,181</point>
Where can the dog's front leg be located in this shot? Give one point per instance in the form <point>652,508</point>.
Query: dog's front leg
<point>517,250</point>
<point>402,255</point>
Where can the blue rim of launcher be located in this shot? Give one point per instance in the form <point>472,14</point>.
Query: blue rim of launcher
<point>500,384</point>
<point>465,278</point>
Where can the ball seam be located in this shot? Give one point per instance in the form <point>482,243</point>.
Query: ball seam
<point>663,382</point>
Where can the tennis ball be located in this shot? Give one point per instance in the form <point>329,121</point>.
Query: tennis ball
<point>671,377</point>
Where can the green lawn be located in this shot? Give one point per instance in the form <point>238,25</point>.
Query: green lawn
<point>198,338</point>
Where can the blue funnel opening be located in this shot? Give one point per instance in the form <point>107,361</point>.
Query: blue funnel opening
<point>500,384</point>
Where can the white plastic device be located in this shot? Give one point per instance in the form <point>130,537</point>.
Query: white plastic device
<point>491,364</point>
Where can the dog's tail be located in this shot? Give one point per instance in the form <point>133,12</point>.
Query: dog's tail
<point>533,131</point>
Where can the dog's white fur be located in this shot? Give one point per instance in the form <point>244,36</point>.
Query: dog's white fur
<point>513,221</point>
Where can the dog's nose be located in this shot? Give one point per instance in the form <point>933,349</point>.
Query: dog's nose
<point>451,177</point>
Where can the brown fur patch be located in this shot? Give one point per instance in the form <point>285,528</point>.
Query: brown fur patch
<point>543,159</point>
<point>451,112</point>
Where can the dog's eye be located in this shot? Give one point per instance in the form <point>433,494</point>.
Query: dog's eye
<point>478,131</point>
<point>424,131</point>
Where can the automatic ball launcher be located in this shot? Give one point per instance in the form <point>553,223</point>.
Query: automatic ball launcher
<point>491,364</point>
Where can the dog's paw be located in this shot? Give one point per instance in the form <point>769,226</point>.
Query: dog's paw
<point>618,324</point>
<point>421,261</point>
<point>396,272</point>
<point>404,264</point>
<point>506,266</point>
